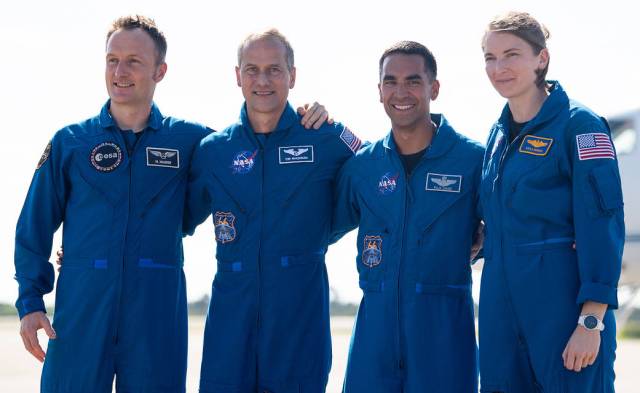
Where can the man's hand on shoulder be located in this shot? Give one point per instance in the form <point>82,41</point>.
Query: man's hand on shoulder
<point>314,115</point>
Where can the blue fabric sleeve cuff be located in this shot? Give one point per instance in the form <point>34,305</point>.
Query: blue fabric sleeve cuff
<point>599,293</point>
<point>29,305</point>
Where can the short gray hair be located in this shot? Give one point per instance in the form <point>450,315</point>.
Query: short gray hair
<point>273,34</point>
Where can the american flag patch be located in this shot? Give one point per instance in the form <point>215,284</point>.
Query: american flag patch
<point>595,145</point>
<point>353,142</point>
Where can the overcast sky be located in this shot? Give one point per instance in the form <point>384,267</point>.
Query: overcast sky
<point>52,72</point>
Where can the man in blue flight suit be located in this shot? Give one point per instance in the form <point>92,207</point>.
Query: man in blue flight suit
<point>118,183</point>
<point>414,195</point>
<point>268,185</point>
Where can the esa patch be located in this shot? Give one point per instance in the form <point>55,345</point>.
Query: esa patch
<point>351,140</point>
<point>372,251</point>
<point>243,162</point>
<point>535,145</point>
<point>295,154</point>
<point>45,156</point>
<point>224,226</point>
<point>443,183</point>
<point>158,156</point>
<point>594,145</point>
<point>388,183</point>
<point>106,157</point>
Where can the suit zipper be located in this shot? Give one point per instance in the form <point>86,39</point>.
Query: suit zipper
<point>130,155</point>
<point>406,190</point>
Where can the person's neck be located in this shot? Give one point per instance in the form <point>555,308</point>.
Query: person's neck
<point>129,117</point>
<point>263,123</point>
<point>526,106</point>
<point>410,140</point>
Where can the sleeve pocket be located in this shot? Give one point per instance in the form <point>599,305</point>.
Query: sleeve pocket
<point>606,184</point>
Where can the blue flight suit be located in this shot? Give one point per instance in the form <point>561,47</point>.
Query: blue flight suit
<point>120,303</point>
<point>555,184</point>
<point>415,327</point>
<point>270,197</point>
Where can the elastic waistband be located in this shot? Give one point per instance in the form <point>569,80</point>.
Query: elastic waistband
<point>280,261</point>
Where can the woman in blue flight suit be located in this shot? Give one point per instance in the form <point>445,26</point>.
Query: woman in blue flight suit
<point>552,204</point>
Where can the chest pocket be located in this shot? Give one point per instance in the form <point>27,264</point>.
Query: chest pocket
<point>439,203</point>
<point>535,181</point>
<point>111,185</point>
<point>306,178</point>
<point>438,191</point>
<point>158,180</point>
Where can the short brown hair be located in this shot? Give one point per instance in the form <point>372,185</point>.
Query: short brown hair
<point>412,48</point>
<point>273,34</point>
<point>527,28</point>
<point>130,22</point>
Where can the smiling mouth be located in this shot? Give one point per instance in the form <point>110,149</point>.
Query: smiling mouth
<point>403,107</point>
<point>123,84</point>
<point>263,93</point>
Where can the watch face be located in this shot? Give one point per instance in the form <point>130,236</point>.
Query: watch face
<point>590,322</point>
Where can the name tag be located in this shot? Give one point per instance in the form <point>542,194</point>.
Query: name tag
<point>535,145</point>
<point>443,183</point>
<point>295,154</point>
<point>168,158</point>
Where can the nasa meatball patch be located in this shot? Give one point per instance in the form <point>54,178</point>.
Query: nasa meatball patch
<point>243,162</point>
<point>106,157</point>
<point>159,156</point>
<point>45,156</point>
<point>388,183</point>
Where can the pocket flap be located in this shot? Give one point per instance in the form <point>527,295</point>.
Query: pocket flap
<point>606,183</point>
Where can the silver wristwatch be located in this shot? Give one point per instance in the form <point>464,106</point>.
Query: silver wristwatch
<point>591,322</point>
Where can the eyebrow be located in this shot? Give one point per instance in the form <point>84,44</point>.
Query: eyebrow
<point>512,50</point>
<point>410,77</point>
<point>130,55</point>
<point>255,65</point>
<point>506,51</point>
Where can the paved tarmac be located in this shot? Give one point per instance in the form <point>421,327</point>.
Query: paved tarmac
<point>20,373</point>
